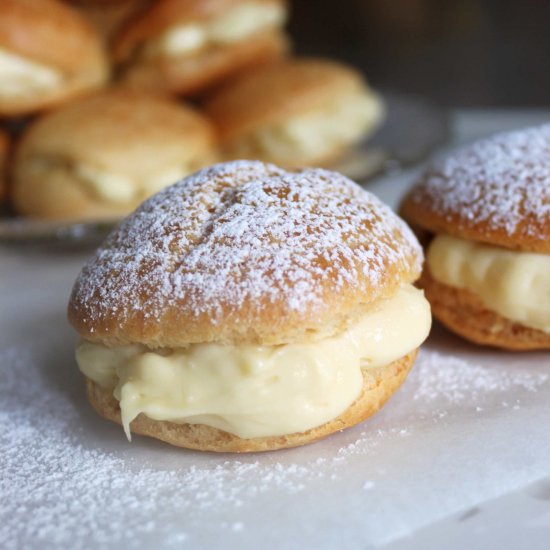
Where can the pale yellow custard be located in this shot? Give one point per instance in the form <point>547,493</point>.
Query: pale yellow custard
<point>122,189</point>
<point>259,391</point>
<point>21,77</point>
<point>514,284</point>
<point>316,134</point>
<point>231,25</point>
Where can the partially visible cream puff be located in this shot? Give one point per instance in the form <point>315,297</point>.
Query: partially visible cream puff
<point>4,145</point>
<point>484,214</point>
<point>247,308</point>
<point>108,16</point>
<point>183,46</point>
<point>298,112</point>
<point>48,53</point>
<point>101,156</point>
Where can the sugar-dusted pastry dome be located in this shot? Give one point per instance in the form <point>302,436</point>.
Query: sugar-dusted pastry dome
<point>495,191</point>
<point>244,252</point>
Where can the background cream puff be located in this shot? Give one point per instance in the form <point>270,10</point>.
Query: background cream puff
<point>48,54</point>
<point>183,46</point>
<point>484,214</point>
<point>4,146</point>
<point>100,156</point>
<point>108,16</point>
<point>250,309</point>
<point>297,112</point>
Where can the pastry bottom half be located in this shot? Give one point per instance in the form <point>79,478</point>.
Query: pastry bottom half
<point>465,314</point>
<point>379,384</point>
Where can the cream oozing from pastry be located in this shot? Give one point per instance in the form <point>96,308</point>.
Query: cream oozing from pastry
<point>121,189</point>
<point>231,25</point>
<point>20,76</point>
<point>514,284</point>
<point>259,391</point>
<point>314,135</point>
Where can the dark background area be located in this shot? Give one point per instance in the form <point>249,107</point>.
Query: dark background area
<point>485,53</point>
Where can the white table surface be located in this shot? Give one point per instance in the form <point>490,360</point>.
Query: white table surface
<point>459,458</point>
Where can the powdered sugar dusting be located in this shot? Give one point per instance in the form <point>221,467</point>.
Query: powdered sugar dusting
<point>452,379</point>
<point>58,476</point>
<point>242,234</point>
<point>503,181</point>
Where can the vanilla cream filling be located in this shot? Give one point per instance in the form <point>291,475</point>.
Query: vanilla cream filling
<point>514,284</point>
<point>317,134</point>
<point>232,25</point>
<point>259,391</point>
<point>122,189</point>
<point>22,77</point>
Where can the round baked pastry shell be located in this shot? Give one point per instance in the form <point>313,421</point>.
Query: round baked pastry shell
<point>56,35</point>
<point>106,130</point>
<point>117,303</point>
<point>190,74</point>
<point>279,92</point>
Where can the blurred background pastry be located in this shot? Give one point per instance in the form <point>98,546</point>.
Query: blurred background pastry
<point>183,46</point>
<point>4,143</point>
<point>101,156</point>
<point>296,112</point>
<point>49,53</point>
<point>108,16</point>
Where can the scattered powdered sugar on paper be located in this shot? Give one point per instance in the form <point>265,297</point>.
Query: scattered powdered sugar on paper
<point>454,379</point>
<point>503,181</point>
<point>70,492</point>
<point>238,235</point>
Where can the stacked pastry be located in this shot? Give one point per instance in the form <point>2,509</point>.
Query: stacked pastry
<point>83,157</point>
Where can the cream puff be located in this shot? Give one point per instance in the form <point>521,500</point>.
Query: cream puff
<point>247,308</point>
<point>484,213</point>
<point>48,54</point>
<point>101,156</point>
<point>184,46</point>
<point>4,146</point>
<point>108,16</point>
<point>298,112</point>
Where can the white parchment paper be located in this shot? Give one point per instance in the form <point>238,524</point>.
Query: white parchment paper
<point>469,425</point>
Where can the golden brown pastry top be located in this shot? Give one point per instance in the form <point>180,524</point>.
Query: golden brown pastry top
<point>109,16</point>
<point>494,191</point>
<point>49,32</point>
<point>244,252</point>
<point>119,130</point>
<point>280,90</point>
<point>165,14</point>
